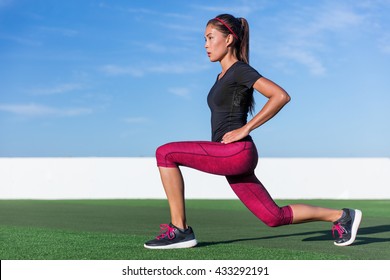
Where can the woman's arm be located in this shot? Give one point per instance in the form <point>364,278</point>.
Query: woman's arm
<point>277,98</point>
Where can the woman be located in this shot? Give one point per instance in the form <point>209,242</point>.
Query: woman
<point>232,152</point>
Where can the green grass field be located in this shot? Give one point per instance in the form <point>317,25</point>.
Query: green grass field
<point>225,229</point>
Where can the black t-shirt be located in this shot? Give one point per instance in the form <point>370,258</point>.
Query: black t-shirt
<point>229,99</point>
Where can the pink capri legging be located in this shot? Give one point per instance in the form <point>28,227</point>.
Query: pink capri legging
<point>237,162</point>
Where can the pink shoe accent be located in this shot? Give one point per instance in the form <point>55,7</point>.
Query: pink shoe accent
<point>340,230</point>
<point>166,231</point>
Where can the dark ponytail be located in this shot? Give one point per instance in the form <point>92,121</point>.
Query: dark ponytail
<point>239,28</point>
<point>244,46</point>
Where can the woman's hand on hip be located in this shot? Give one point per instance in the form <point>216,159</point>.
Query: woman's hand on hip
<point>235,135</point>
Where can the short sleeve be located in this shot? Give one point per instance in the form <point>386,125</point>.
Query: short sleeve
<point>246,75</point>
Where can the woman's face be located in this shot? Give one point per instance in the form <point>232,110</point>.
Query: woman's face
<point>216,43</point>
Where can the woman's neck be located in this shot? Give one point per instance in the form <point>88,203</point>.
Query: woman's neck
<point>226,63</point>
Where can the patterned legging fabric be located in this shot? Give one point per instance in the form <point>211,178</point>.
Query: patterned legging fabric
<point>237,162</point>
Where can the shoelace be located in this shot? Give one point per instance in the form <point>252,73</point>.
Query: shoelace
<point>166,231</point>
<point>340,230</point>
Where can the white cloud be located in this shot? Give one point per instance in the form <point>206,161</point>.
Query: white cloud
<point>143,11</point>
<point>156,48</point>
<point>115,70</point>
<point>181,27</point>
<point>21,40</point>
<point>305,58</point>
<point>178,68</point>
<point>38,110</point>
<point>156,13</point>
<point>242,9</point>
<point>180,91</point>
<point>164,68</point>
<point>4,3</point>
<point>67,32</point>
<point>384,44</point>
<point>137,10</point>
<point>309,31</point>
<point>329,19</point>
<point>58,89</point>
<point>136,120</point>
<point>162,48</point>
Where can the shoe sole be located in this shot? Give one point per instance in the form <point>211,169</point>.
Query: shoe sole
<point>179,245</point>
<point>357,218</point>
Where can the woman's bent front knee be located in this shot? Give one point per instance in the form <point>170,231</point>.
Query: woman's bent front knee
<point>163,155</point>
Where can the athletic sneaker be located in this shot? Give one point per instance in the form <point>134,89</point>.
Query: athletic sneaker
<point>347,227</point>
<point>172,237</point>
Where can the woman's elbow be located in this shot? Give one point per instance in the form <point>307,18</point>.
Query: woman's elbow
<point>285,97</point>
<point>288,98</point>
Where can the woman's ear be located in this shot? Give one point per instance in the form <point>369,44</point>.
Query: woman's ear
<point>229,40</point>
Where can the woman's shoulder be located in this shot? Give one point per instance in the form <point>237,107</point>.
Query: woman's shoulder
<point>241,67</point>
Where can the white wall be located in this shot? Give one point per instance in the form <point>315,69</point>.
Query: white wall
<point>74,178</point>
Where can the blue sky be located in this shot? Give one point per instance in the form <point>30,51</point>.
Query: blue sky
<point>120,78</point>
